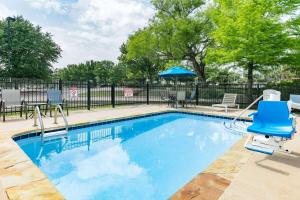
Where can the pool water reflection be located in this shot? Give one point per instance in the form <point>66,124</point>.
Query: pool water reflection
<point>144,158</point>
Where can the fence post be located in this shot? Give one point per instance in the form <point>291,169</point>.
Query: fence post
<point>60,86</point>
<point>148,93</point>
<point>113,100</point>
<point>197,94</point>
<point>16,85</point>
<point>89,95</point>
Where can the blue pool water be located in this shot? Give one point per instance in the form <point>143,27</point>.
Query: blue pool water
<point>145,158</point>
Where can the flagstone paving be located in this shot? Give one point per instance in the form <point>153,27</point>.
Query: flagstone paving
<point>240,173</point>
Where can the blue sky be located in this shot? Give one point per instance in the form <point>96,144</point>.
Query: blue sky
<point>84,29</point>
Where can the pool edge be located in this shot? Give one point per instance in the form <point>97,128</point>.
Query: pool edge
<point>214,180</point>
<point>49,185</point>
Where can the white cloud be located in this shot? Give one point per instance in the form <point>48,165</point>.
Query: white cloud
<point>99,29</point>
<point>5,11</point>
<point>115,171</point>
<point>114,162</point>
<point>49,5</point>
<point>79,46</point>
<point>86,29</point>
<point>112,16</point>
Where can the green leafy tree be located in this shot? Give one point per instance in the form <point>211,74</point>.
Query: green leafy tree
<point>178,32</point>
<point>78,72</point>
<point>120,73</point>
<point>293,55</point>
<point>96,71</point>
<point>223,75</point>
<point>26,51</point>
<point>252,34</point>
<point>140,64</point>
<point>103,70</point>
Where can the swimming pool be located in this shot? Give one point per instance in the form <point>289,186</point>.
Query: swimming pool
<point>142,158</point>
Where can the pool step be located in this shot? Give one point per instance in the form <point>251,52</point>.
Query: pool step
<point>259,149</point>
<point>55,134</point>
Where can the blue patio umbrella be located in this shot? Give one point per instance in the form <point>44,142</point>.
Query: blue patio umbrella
<point>177,72</point>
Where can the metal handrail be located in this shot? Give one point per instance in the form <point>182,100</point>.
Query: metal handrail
<point>243,111</point>
<point>37,115</point>
<point>58,107</point>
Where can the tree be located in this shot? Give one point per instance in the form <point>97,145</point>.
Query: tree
<point>119,73</point>
<point>78,72</point>
<point>139,57</point>
<point>103,70</point>
<point>26,51</point>
<point>96,71</point>
<point>182,29</point>
<point>293,55</point>
<point>217,74</point>
<point>178,32</point>
<point>251,34</point>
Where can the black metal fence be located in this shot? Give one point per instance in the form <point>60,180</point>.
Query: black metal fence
<point>87,95</point>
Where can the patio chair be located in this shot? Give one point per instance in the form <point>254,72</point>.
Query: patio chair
<point>271,95</point>
<point>180,98</point>
<point>12,99</point>
<point>54,98</point>
<point>191,99</point>
<point>165,97</point>
<point>294,101</point>
<point>170,97</point>
<point>273,125</point>
<point>228,102</point>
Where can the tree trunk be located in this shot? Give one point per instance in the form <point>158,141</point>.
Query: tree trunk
<point>250,67</point>
<point>199,68</point>
<point>202,71</point>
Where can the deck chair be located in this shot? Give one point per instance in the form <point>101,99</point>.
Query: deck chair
<point>294,101</point>
<point>54,98</point>
<point>272,126</point>
<point>12,99</point>
<point>165,97</point>
<point>180,98</point>
<point>228,102</point>
<point>173,96</point>
<point>271,95</point>
<point>191,99</point>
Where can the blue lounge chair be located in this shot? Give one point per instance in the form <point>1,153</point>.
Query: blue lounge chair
<point>54,97</point>
<point>272,125</point>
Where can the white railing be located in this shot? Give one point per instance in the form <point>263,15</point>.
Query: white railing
<point>241,127</point>
<point>58,108</point>
<point>245,110</point>
<point>37,115</point>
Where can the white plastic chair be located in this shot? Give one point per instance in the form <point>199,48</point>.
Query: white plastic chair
<point>11,98</point>
<point>294,101</point>
<point>271,95</point>
<point>228,102</point>
<point>180,97</point>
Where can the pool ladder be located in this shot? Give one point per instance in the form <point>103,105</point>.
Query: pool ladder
<point>51,135</point>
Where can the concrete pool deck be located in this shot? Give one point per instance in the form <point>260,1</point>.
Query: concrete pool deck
<point>240,173</point>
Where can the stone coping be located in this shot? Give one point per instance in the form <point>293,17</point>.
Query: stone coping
<point>34,132</point>
<point>20,178</point>
<point>214,180</point>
